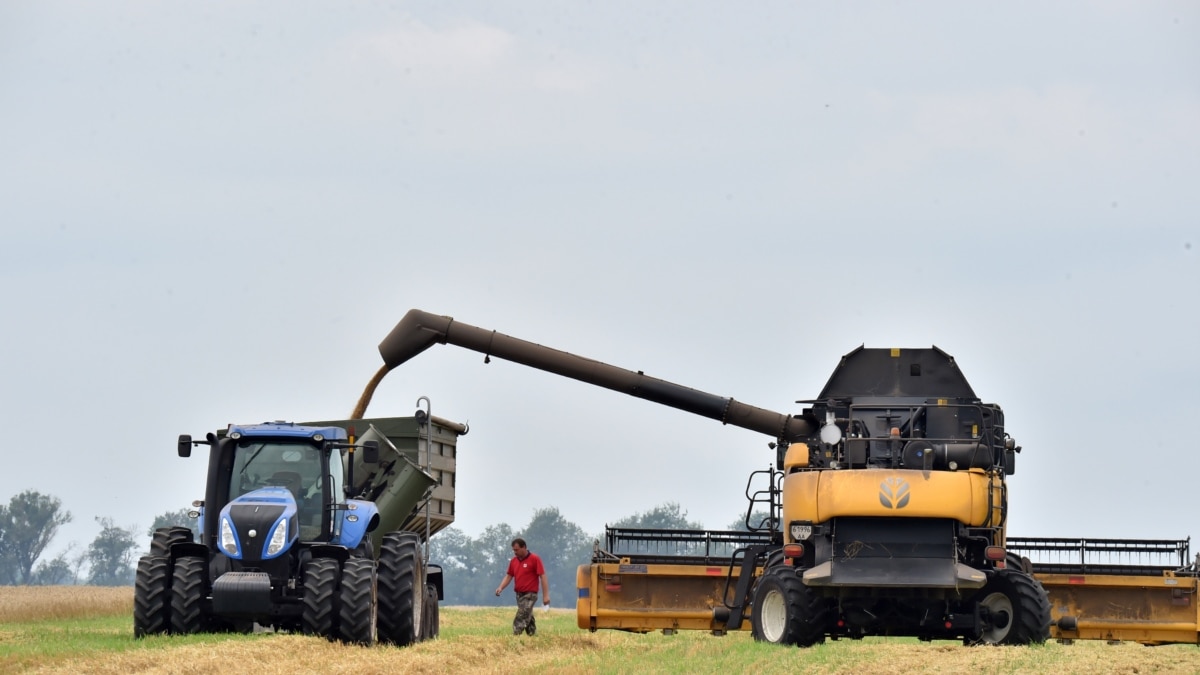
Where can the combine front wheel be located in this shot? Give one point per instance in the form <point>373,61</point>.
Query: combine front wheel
<point>785,611</point>
<point>1015,610</point>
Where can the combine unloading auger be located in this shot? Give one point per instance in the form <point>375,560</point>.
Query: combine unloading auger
<point>419,331</point>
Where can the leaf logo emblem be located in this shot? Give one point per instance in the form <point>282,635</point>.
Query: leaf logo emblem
<point>893,493</point>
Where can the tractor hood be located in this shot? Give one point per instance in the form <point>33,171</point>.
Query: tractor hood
<point>258,525</point>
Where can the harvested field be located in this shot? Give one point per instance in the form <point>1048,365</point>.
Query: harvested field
<point>89,630</point>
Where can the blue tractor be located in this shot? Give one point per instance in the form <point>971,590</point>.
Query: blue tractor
<point>288,539</point>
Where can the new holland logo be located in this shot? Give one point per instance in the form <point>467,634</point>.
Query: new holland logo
<point>893,493</point>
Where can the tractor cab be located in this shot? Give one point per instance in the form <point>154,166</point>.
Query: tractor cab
<point>310,472</point>
<point>275,484</point>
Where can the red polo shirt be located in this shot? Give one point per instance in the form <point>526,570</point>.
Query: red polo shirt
<point>525,573</point>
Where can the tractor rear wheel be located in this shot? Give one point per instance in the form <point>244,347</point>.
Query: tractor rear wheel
<point>152,596</point>
<point>187,595</point>
<point>165,537</point>
<point>358,602</point>
<point>1015,608</point>
<point>320,591</point>
<point>785,611</point>
<point>401,589</point>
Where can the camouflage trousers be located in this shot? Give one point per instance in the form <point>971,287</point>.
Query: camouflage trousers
<point>524,621</point>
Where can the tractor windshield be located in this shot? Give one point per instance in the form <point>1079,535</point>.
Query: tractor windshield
<point>259,463</point>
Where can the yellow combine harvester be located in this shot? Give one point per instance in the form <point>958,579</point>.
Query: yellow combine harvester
<point>886,512</point>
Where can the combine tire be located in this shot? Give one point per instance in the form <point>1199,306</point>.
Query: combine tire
<point>356,618</point>
<point>785,611</point>
<point>165,537</point>
<point>430,624</point>
<point>187,595</point>
<point>1015,608</point>
<point>401,589</point>
<point>320,588</point>
<point>152,596</point>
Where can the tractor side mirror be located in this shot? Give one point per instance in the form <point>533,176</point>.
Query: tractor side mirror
<point>185,445</point>
<point>370,452</point>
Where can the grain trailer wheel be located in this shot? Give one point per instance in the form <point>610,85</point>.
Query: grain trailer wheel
<point>1015,608</point>
<point>152,596</point>
<point>432,622</point>
<point>187,595</point>
<point>320,593</point>
<point>785,611</point>
<point>358,605</point>
<point>401,589</point>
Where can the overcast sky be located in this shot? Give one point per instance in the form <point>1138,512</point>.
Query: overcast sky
<point>214,212</point>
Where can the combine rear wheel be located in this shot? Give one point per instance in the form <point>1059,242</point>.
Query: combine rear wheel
<point>785,611</point>
<point>152,596</point>
<point>1015,610</point>
<point>187,595</point>
<point>401,589</point>
<point>358,602</point>
<point>320,588</point>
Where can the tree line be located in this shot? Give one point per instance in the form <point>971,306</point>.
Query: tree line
<point>472,566</point>
<point>30,522</point>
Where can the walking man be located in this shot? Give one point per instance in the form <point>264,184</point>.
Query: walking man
<point>526,570</point>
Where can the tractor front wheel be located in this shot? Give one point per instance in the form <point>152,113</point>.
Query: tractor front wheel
<point>187,595</point>
<point>152,596</point>
<point>358,602</point>
<point>320,590</point>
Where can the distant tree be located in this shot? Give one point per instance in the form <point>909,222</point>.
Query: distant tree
<point>111,554</point>
<point>178,518</point>
<point>759,520</point>
<point>462,568</point>
<point>668,516</point>
<point>495,548</point>
<point>27,525</point>
<point>59,571</point>
<point>562,545</point>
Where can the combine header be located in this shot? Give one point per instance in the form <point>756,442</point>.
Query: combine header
<point>1140,590</point>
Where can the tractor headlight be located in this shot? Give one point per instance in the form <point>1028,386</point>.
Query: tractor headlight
<point>278,538</point>
<point>228,541</point>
